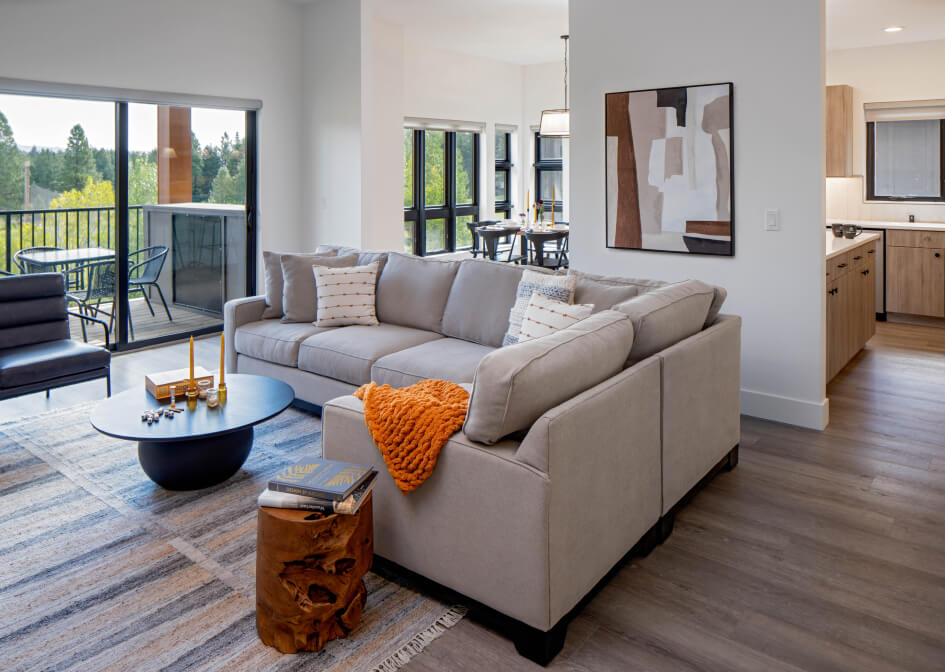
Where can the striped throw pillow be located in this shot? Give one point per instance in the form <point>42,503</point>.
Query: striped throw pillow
<point>546,316</point>
<point>346,295</point>
<point>560,287</point>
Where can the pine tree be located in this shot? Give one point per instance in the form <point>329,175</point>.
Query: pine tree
<point>78,161</point>
<point>11,169</point>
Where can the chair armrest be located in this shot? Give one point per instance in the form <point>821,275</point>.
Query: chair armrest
<point>92,319</point>
<point>2,272</point>
<point>601,451</point>
<point>236,313</point>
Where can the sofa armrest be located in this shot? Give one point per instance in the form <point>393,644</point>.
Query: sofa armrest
<point>235,314</point>
<point>701,421</point>
<point>601,451</point>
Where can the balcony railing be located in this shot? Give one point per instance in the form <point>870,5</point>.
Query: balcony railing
<point>67,228</point>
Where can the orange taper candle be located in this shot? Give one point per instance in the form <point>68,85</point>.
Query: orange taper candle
<point>221,358</point>
<point>191,361</point>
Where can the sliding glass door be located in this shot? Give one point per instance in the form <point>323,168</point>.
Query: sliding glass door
<point>165,193</point>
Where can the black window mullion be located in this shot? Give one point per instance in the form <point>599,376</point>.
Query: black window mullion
<point>450,223</point>
<point>420,228</point>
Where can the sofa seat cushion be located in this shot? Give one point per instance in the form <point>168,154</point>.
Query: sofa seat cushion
<point>273,340</point>
<point>34,363</point>
<point>445,359</point>
<point>348,353</point>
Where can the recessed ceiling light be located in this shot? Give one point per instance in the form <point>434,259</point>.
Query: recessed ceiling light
<point>892,29</point>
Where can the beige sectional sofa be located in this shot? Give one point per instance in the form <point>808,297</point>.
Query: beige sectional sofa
<point>578,446</point>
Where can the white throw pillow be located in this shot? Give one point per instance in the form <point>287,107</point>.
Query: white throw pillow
<point>346,295</point>
<point>560,287</point>
<point>546,316</point>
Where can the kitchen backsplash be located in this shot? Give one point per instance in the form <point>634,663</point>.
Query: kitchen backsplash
<point>845,201</point>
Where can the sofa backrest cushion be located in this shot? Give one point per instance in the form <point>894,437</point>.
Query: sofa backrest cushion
<point>478,306</point>
<point>666,315</point>
<point>272,266</point>
<point>718,298</point>
<point>412,291</point>
<point>298,292</point>
<point>517,384</point>
<point>32,309</point>
<point>340,250</point>
<point>606,291</point>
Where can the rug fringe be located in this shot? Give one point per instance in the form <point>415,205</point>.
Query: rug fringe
<point>415,646</point>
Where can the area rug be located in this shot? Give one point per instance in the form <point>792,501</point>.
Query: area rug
<point>101,569</point>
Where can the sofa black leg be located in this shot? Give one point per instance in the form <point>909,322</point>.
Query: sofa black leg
<point>649,541</point>
<point>108,384</point>
<point>47,394</point>
<point>665,526</point>
<point>540,646</point>
<point>732,460</point>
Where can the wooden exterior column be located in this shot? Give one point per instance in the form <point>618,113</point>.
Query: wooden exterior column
<point>175,178</point>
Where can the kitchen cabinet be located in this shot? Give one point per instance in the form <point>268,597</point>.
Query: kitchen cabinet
<point>851,304</point>
<point>839,138</point>
<point>915,273</point>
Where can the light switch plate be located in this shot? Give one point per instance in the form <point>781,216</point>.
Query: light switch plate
<point>772,220</point>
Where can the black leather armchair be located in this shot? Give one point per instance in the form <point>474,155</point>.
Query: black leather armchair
<point>36,349</point>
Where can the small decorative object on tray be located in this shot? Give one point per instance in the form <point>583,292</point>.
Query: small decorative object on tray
<point>159,385</point>
<point>347,506</point>
<point>324,479</point>
<point>203,386</point>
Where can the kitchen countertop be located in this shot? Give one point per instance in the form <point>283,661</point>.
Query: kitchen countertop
<point>905,226</point>
<point>837,246</point>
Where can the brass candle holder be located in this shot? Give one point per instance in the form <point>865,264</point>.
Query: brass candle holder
<point>192,397</point>
<point>221,393</point>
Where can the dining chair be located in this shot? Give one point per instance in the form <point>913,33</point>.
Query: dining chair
<point>25,265</point>
<point>476,248</point>
<point>145,273</point>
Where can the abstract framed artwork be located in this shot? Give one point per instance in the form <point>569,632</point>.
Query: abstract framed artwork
<point>670,176</point>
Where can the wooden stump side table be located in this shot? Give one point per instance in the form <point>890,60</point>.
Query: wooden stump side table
<point>310,576</point>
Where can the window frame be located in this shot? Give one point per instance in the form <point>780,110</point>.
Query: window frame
<point>871,170</point>
<point>505,167</point>
<point>450,210</point>
<point>548,166</point>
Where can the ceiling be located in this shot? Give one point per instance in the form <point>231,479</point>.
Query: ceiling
<point>859,23</point>
<point>515,31</point>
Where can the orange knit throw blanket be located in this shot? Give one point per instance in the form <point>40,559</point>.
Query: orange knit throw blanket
<point>411,424</point>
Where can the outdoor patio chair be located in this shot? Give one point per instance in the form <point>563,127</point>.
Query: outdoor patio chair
<point>145,273</point>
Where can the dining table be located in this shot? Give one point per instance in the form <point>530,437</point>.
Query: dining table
<point>50,260</point>
<point>537,236</point>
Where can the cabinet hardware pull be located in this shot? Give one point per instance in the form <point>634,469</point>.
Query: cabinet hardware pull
<point>938,254</point>
<point>866,272</point>
<point>841,265</point>
<point>857,258</point>
<point>872,252</point>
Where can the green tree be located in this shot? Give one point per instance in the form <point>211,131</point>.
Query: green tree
<point>11,169</point>
<point>45,167</point>
<point>94,193</point>
<point>78,162</point>
<point>142,181</point>
<point>105,163</point>
<point>228,188</point>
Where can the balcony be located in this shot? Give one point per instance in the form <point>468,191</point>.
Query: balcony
<point>203,251</point>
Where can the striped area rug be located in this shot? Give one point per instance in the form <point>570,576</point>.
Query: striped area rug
<point>101,569</point>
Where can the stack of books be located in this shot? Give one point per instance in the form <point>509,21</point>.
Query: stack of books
<point>323,486</point>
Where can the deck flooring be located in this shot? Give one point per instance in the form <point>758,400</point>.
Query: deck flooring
<point>147,326</point>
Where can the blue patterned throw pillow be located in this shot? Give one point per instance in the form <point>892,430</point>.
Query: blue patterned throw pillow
<point>557,287</point>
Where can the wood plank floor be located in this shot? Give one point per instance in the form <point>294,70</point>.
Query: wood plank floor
<point>146,325</point>
<point>821,551</point>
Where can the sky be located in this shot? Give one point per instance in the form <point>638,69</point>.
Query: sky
<point>46,122</point>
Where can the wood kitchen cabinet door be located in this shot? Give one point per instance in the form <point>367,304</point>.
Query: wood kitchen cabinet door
<point>915,281</point>
<point>865,314</point>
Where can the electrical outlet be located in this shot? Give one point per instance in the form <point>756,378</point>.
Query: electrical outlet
<point>772,220</point>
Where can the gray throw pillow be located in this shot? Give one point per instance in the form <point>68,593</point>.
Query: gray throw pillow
<point>272,265</point>
<point>298,292</point>
<point>515,385</point>
<point>667,315</point>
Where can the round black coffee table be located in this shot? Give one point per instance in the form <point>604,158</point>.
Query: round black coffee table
<point>194,449</point>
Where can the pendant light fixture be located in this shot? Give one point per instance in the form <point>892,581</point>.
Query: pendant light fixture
<point>557,123</point>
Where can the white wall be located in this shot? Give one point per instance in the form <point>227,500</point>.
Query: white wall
<point>382,154</point>
<point>882,74</point>
<point>773,52</point>
<point>117,43</point>
<point>331,123</point>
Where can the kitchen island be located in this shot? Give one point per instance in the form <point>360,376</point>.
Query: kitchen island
<point>851,298</point>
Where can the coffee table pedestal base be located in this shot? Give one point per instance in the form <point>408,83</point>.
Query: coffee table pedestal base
<point>197,463</point>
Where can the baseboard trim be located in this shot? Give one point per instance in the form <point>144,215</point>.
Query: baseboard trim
<point>809,414</point>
